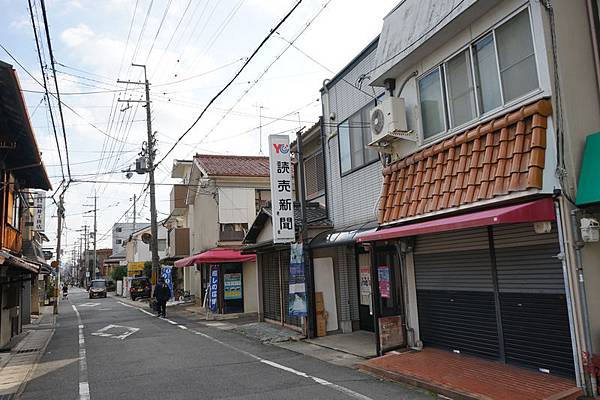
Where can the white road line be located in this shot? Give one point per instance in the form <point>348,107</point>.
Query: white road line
<point>84,387</point>
<point>316,379</point>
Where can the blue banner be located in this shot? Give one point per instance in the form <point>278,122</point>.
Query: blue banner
<point>166,273</point>
<point>297,290</point>
<point>214,287</point>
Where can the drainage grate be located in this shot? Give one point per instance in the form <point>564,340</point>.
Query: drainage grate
<point>25,351</point>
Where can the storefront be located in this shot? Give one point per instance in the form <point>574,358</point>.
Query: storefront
<point>229,280</point>
<point>488,283</point>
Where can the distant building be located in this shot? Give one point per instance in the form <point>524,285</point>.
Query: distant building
<point>120,233</point>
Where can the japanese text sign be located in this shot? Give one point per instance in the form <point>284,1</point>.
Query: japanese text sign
<point>39,217</point>
<point>214,288</point>
<point>281,189</point>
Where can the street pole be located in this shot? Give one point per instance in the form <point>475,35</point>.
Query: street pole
<point>95,257</point>
<point>309,276</point>
<point>59,212</point>
<point>150,169</point>
<point>134,212</point>
<point>86,253</point>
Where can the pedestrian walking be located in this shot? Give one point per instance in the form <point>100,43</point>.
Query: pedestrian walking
<point>162,293</point>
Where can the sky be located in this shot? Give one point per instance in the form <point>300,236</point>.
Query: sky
<point>191,48</point>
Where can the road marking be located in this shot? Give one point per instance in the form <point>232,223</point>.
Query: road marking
<point>121,331</point>
<point>316,379</point>
<point>84,387</point>
<point>89,304</point>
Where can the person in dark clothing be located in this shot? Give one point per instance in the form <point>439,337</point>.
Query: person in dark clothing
<point>162,293</point>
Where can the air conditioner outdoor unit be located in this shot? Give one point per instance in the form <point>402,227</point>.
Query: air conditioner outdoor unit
<point>388,122</point>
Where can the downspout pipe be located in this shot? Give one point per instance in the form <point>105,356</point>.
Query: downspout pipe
<point>324,139</point>
<point>591,384</point>
<point>592,10</point>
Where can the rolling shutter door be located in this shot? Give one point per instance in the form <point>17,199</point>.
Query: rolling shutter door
<point>270,282</point>
<point>535,319</point>
<point>455,294</point>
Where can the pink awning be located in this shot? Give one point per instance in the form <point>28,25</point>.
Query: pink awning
<point>215,256</point>
<point>534,211</point>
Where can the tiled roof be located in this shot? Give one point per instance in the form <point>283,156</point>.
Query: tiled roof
<point>220,165</point>
<point>502,156</point>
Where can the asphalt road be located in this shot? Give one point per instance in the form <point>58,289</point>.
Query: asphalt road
<point>105,349</point>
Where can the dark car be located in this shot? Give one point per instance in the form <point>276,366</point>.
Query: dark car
<point>110,285</point>
<point>98,288</point>
<point>140,288</point>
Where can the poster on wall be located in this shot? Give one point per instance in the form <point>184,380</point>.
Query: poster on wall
<point>365,280</point>
<point>297,290</point>
<point>214,287</point>
<point>167,274</point>
<point>383,273</point>
<point>232,286</point>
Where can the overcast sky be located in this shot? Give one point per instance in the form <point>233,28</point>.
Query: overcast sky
<point>192,48</point>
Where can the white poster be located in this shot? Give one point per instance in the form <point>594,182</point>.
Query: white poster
<point>39,217</point>
<point>281,189</point>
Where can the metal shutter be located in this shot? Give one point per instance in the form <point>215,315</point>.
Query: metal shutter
<point>535,319</point>
<point>455,295</point>
<point>271,289</point>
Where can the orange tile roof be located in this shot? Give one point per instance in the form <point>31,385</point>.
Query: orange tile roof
<point>503,156</point>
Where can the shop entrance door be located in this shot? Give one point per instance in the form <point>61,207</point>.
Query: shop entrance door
<point>365,303</point>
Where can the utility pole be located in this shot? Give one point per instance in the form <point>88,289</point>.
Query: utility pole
<point>134,211</point>
<point>60,211</point>
<point>150,169</point>
<point>95,257</point>
<point>86,253</point>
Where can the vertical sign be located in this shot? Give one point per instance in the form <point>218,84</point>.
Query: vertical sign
<point>297,290</point>
<point>166,273</point>
<point>39,218</point>
<point>214,287</point>
<point>281,189</point>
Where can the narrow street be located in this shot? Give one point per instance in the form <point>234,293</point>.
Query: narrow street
<point>142,356</point>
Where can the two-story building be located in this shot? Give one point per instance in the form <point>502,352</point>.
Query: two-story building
<point>21,168</point>
<point>481,112</point>
<point>222,195</point>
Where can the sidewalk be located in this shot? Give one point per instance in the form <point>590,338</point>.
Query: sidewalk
<point>16,366</point>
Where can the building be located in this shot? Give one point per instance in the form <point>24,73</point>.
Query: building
<point>221,198</point>
<point>120,234</point>
<point>484,108</point>
<point>21,169</point>
<point>139,249</point>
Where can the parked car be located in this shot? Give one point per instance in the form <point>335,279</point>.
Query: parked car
<point>97,288</point>
<point>140,288</point>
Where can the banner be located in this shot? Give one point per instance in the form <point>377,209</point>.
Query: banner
<point>281,189</point>
<point>297,290</point>
<point>232,286</point>
<point>214,288</point>
<point>39,219</point>
<point>166,273</point>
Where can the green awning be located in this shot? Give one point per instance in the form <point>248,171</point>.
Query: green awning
<point>588,192</point>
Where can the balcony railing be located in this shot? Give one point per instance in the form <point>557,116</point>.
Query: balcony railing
<point>12,239</point>
<point>231,236</point>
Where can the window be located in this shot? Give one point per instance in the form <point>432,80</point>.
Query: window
<point>118,230</point>
<point>354,136</point>
<point>232,232</point>
<point>314,175</point>
<point>496,69</point>
<point>516,57</point>
<point>461,96</point>
<point>432,103</point>
<point>119,241</point>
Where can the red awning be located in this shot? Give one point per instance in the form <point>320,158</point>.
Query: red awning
<point>534,211</point>
<point>215,256</point>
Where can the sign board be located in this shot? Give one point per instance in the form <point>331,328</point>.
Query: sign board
<point>297,290</point>
<point>383,273</point>
<point>281,189</point>
<point>39,216</point>
<point>365,280</point>
<point>135,268</point>
<point>214,287</point>
<point>87,274</point>
<point>391,334</point>
<point>166,273</point>
<point>232,284</point>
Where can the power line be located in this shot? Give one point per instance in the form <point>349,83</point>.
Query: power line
<point>232,79</point>
<point>45,86</point>
<point>162,21</point>
<point>62,120</point>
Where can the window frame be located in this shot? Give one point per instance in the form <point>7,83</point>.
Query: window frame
<point>353,169</point>
<point>441,66</point>
<point>321,192</point>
